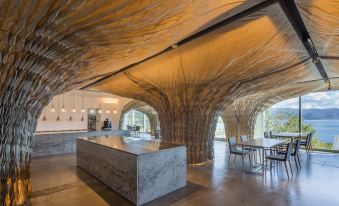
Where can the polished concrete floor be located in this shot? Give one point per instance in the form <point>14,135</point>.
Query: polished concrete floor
<point>57,181</point>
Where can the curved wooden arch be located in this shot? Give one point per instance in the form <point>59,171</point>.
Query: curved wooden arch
<point>144,108</point>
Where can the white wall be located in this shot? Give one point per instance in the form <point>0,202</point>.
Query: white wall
<point>259,126</point>
<point>91,100</point>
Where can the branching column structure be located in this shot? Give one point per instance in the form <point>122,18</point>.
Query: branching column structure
<point>50,47</point>
<point>189,85</point>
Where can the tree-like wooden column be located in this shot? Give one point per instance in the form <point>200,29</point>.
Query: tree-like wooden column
<point>191,123</point>
<point>18,120</point>
<point>50,47</point>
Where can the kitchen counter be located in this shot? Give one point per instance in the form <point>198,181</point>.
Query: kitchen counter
<point>64,142</point>
<point>139,170</point>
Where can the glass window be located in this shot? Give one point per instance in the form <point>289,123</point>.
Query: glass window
<point>283,116</point>
<point>320,114</point>
<point>136,118</point>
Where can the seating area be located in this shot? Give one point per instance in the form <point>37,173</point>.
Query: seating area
<point>215,184</point>
<point>276,148</point>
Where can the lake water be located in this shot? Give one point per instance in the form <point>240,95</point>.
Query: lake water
<point>326,129</point>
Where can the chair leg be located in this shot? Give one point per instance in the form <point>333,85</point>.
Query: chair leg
<point>296,163</point>
<point>235,157</point>
<point>287,170</point>
<point>229,159</point>
<point>289,162</point>
<point>270,165</point>
<point>298,160</point>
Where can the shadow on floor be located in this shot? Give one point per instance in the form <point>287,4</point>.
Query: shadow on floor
<point>112,197</point>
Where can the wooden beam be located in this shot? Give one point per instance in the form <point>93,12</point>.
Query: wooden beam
<point>291,11</point>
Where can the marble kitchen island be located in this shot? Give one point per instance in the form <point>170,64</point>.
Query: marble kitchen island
<point>139,170</point>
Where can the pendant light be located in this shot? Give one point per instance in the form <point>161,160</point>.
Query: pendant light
<point>58,117</point>
<point>63,110</point>
<point>52,109</point>
<point>73,109</point>
<point>44,118</point>
<point>99,110</point>
<point>82,107</point>
<point>70,114</point>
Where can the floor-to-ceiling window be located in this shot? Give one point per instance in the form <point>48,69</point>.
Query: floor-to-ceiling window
<point>220,130</point>
<point>283,116</point>
<point>136,118</point>
<point>318,113</point>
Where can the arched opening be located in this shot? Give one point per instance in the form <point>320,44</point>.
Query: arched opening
<point>137,113</point>
<point>220,130</point>
<point>136,118</point>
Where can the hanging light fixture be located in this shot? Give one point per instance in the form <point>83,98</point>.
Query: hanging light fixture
<point>52,109</point>
<point>82,118</point>
<point>73,110</point>
<point>108,112</point>
<point>99,110</point>
<point>63,110</point>
<point>58,117</point>
<point>82,107</point>
<point>44,118</point>
<point>70,114</point>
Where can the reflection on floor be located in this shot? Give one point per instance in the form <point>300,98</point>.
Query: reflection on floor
<point>57,181</point>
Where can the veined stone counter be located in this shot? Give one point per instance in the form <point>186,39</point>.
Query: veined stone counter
<point>139,170</point>
<point>64,142</point>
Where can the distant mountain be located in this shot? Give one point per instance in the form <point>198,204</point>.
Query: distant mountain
<point>313,114</point>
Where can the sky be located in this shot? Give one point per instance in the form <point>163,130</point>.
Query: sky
<point>318,100</point>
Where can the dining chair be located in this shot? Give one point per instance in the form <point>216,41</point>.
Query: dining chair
<point>307,144</point>
<point>295,153</point>
<point>271,135</point>
<point>281,158</point>
<point>235,150</point>
<point>266,135</point>
<point>244,138</point>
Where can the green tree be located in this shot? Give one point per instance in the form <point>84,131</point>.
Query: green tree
<point>285,121</point>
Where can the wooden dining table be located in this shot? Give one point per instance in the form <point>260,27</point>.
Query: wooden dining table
<point>260,143</point>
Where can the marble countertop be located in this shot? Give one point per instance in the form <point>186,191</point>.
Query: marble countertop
<point>130,145</point>
<point>61,132</point>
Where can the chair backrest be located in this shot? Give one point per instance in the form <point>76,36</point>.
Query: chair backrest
<point>137,128</point>
<point>297,147</point>
<point>271,134</point>
<point>266,135</point>
<point>243,138</point>
<point>232,142</point>
<point>288,151</point>
<point>309,138</point>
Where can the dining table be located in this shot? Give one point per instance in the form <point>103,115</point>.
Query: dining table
<point>263,144</point>
<point>289,135</point>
